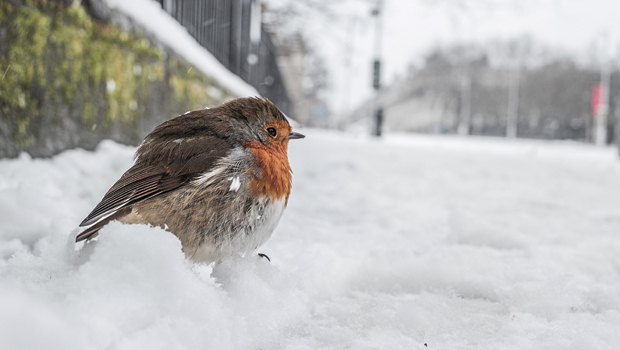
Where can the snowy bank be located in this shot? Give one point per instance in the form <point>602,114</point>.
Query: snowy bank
<point>456,243</point>
<point>149,14</point>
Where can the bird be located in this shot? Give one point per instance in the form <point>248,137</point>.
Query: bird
<point>219,179</point>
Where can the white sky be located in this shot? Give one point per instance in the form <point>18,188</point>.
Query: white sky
<point>413,27</point>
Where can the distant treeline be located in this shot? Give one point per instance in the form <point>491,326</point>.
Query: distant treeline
<point>470,86</point>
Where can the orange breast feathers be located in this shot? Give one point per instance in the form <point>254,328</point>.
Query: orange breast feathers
<point>276,177</point>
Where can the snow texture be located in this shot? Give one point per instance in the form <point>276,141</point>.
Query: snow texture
<point>151,16</point>
<point>456,243</point>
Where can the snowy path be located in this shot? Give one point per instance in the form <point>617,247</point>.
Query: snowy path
<point>456,243</point>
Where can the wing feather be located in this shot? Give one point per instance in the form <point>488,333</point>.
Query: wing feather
<point>156,173</point>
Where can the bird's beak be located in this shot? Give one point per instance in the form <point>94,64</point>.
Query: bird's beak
<point>295,135</point>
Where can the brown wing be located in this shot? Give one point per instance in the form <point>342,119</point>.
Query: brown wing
<point>138,183</point>
<point>177,164</point>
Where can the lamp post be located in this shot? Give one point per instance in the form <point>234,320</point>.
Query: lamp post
<point>601,105</point>
<point>377,110</point>
<point>465,104</point>
<point>513,101</point>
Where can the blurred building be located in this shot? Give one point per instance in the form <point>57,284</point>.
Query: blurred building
<point>292,56</point>
<point>305,78</point>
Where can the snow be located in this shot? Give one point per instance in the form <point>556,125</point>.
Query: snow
<point>151,16</point>
<point>456,243</point>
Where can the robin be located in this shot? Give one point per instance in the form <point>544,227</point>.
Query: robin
<point>219,179</point>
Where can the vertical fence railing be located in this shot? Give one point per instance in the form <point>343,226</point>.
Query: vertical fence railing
<point>224,28</point>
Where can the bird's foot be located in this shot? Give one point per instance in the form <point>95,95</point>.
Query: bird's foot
<point>264,256</point>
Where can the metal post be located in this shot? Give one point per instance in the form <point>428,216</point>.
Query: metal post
<point>465,107</point>
<point>600,127</point>
<point>513,102</point>
<point>377,111</point>
<point>617,103</point>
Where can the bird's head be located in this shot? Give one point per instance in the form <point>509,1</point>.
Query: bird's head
<point>258,121</point>
<point>250,122</point>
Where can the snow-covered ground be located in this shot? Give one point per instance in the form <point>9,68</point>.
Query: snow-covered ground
<point>411,242</point>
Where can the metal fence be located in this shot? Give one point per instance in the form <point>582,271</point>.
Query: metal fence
<point>232,31</point>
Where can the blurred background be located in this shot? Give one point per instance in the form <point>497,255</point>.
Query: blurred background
<point>75,72</point>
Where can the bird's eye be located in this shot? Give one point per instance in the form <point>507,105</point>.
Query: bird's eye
<point>272,132</point>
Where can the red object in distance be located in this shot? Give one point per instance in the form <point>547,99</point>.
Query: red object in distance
<point>597,99</point>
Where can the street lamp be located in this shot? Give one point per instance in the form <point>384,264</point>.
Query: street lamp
<point>377,110</point>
